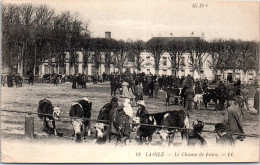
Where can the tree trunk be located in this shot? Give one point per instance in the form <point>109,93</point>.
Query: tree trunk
<point>157,71</point>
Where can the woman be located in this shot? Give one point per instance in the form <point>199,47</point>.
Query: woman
<point>125,89</point>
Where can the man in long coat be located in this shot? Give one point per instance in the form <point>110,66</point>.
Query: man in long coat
<point>256,100</point>
<point>189,98</point>
<point>233,119</point>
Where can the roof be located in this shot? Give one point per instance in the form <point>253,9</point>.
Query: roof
<point>168,39</point>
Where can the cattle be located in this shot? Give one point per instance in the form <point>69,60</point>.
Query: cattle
<point>100,127</point>
<point>144,132</point>
<point>198,100</point>
<point>173,92</point>
<point>210,95</point>
<point>81,109</point>
<point>48,113</point>
<point>175,118</point>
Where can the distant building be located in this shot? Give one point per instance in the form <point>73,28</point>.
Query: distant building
<point>147,66</point>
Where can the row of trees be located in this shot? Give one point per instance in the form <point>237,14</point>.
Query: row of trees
<point>32,34</point>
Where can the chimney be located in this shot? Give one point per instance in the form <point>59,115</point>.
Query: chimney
<point>108,35</point>
<point>202,35</point>
<point>192,34</point>
<point>171,34</point>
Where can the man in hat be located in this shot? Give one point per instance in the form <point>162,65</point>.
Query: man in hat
<point>113,133</point>
<point>244,93</point>
<point>223,138</point>
<point>256,100</point>
<point>194,138</point>
<point>189,97</point>
<point>233,119</point>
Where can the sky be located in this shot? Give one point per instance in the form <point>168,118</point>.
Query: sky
<point>144,19</point>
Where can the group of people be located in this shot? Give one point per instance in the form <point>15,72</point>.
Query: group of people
<point>10,79</point>
<point>228,131</point>
<point>79,80</point>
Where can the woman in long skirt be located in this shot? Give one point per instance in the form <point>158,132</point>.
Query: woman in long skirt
<point>125,89</point>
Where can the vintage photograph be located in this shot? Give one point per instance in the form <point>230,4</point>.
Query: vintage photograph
<point>129,81</point>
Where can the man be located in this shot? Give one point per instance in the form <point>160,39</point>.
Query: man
<point>244,93</point>
<point>84,81</point>
<point>74,81</point>
<point>233,120</point>
<point>223,138</point>
<point>55,79</point>
<point>31,78</point>
<point>113,86</point>
<point>156,89</point>
<point>256,100</point>
<point>189,98</point>
<point>222,95</point>
<point>151,88</point>
<point>195,136</point>
<point>113,133</point>
<point>198,95</point>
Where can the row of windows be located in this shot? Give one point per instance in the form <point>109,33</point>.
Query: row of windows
<point>164,61</point>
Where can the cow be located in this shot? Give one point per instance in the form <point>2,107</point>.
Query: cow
<point>175,118</point>
<point>81,109</point>
<point>100,127</point>
<point>144,132</point>
<point>172,92</point>
<point>48,113</point>
<point>210,94</point>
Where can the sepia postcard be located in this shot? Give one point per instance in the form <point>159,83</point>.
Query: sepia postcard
<point>129,81</point>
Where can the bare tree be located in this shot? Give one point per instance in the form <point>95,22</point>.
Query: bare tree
<point>176,48</point>
<point>197,50</point>
<point>137,47</point>
<point>156,46</point>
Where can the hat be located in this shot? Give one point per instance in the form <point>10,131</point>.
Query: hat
<point>141,102</point>
<point>114,99</point>
<point>220,127</point>
<point>198,125</point>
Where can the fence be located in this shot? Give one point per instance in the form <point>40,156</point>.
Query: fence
<point>29,124</point>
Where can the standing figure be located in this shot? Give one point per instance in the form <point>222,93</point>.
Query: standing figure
<point>189,98</point>
<point>156,89</point>
<point>256,100</point>
<point>125,89</point>
<point>31,78</point>
<point>233,120</point>
<point>74,81</point>
<point>223,138</point>
<point>244,94</point>
<point>195,137</point>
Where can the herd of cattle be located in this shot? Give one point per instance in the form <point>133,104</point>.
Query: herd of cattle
<point>81,110</point>
<point>218,96</point>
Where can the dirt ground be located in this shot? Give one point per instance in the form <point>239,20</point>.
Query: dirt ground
<point>26,98</point>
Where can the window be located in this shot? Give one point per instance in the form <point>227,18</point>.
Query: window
<point>250,77</point>
<point>165,72</point>
<point>218,77</point>
<point>148,71</point>
<point>182,61</point>
<point>237,76</point>
<point>164,61</point>
<point>148,60</point>
<point>182,72</point>
<point>201,72</point>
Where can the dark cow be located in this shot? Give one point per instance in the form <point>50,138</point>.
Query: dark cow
<point>175,118</point>
<point>100,127</point>
<point>172,92</point>
<point>144,132</point>
<point>81,109</point>
<point>210,95</point>
<point>48,113</point>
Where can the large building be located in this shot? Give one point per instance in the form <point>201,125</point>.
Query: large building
<point>147,66</point>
